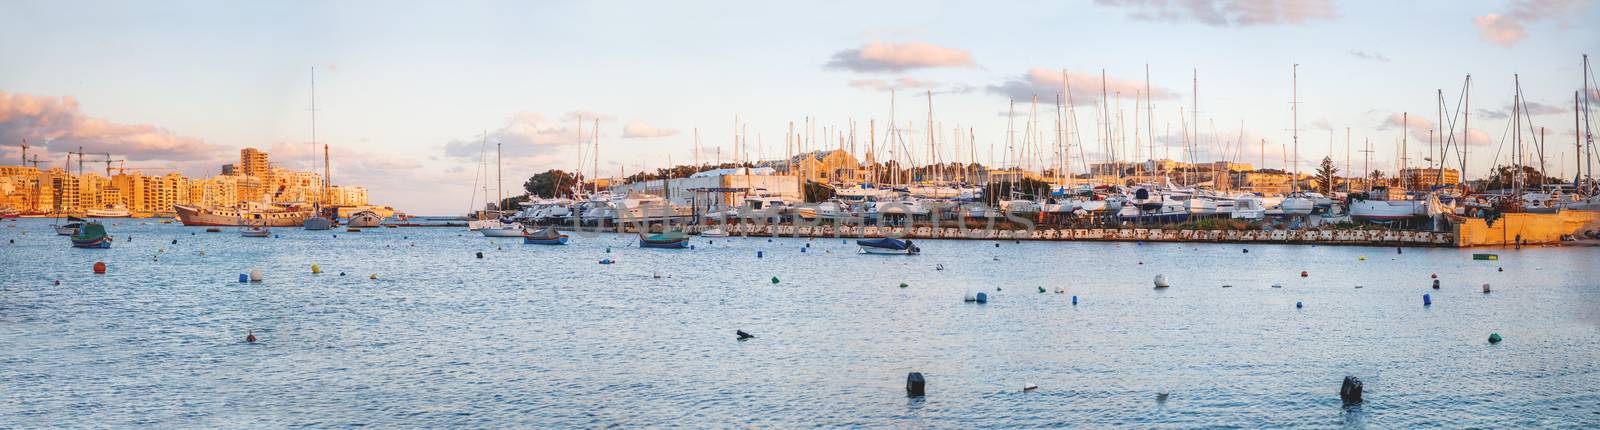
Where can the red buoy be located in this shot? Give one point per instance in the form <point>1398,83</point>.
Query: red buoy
<point>250,337</point>
<point>1434,276</point>
<point>1304,274</point>
<point>99,268</point>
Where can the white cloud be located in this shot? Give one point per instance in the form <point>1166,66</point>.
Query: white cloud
<point>640,130</point>
<point>1046,83</point>
<point>1226,13</point>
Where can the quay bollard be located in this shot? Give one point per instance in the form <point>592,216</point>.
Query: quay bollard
<point>916,385</point>
<point>1350,391</point>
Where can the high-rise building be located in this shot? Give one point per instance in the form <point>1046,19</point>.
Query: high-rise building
<point>253,162</point>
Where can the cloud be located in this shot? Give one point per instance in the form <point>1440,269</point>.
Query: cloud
<point>1532,109</point>
<point>1226,13</point>
<point>525,134</point>
<point>587,117</point>
<point>1509,28</point>
<point>1046,83</point>
<point>1420,128</point>
<point>1374,56</point>
<point>639,130</point>
<point>889,57</point>
<point>898,84</point>
<point>60,122</point>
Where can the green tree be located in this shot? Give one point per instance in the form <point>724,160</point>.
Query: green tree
<point>1325,175</point>
<point>553,183</point>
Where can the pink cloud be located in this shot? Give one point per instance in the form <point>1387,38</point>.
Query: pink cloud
<point>898,84</point>
<point>1046,83</point>
<point>889,57</point>
<point>1509,28</point>
<point>41,119</point>
<point>640,130</point>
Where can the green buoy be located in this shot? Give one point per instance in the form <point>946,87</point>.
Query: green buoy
<point>774,279</point>
<point>903,285</point>
<point>1041,290</point>
<point>1494,337</point>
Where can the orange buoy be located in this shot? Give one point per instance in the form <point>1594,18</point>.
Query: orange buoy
<point>250,337</point>
<point>99,268</point>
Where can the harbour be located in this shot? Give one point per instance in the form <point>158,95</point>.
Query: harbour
<point>155,341</point>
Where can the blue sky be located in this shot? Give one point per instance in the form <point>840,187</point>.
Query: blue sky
<point>404,91</point>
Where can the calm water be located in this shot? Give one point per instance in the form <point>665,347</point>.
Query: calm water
<point>535,336</point>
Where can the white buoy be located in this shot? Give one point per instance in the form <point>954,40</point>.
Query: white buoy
<point>255,275</point>
<point>1161,281</point>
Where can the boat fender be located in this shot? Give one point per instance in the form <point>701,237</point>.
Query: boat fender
<point>1436,284</point>
<point>251,337</point>
<point>1074,300</point>
<point>255,275</point>
<point>99,268</point>
<point>1350,391</point>
<point>743,336</point>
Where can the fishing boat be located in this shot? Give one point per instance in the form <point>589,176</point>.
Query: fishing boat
<point>365,219</point>
<point>714,232</point>
<point>545,236</point>
<point>275,215</point>
<point>670,240</point>
<point>91,235</point>
<point>503,230</point>
<point>888,245</point>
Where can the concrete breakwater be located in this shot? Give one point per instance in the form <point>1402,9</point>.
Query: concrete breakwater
<point>1305,236</point>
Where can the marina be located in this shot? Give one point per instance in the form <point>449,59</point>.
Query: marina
<point>651,339</point>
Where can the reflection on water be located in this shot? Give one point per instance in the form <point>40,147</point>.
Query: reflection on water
<point>543,336</point>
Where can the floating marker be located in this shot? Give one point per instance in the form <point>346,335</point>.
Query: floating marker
<point>1363,258</point>
<point>802,250</point>
<point>373,276</point>
<point>916,385</point>
<point>480,254</point>
<point>608,250</point>
<point>758,254</point>
<point>938,266</point>
<point>981,297</point>
<point>1298,305</point>
<point>1161,281</point>
<point>1041,290</point>
<point>1427,300</point>
<point>1247,250</point>
<point>1029,387</point>
<point>1074,300</point>
<point>606,261</point>
<point>99,268</point>
<point>243,278</point>
<point>1161,396</point>
<point>903,285</point>
<point>1436,284</point>
<point>774,279</point>
<point>315,269</point>
<point>174,241</point>
<point>341,273</point>
<point>1304,274</point>
<point>1350,391</point>
<point>251,338</point>
<point>255,275</point>
<point>1433,276</point>
<point>1494,337</point>
<point>1486,288</point>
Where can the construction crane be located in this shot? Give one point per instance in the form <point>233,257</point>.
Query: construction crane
<point>107,160</point>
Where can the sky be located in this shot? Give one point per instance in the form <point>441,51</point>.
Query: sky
<point>408,93</point>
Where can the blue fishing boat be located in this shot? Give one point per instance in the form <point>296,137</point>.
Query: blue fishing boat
<point>91,235</point>
<point>888,245</point>
<point>545,236</point>
<point>670,240</point>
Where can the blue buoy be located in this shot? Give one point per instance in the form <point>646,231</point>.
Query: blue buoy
<point>1427,300</point>
<point>243,278</point>
<point>1074,300</point>
<point>606,261</point>
<point>1298,305</point>
<point>983,297</point>
<point>691,246</point>
<point>802,250</point>
<point>758,254</point>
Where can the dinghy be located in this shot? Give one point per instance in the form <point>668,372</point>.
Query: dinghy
<point>888,245</point>
<point>545,236</point>
<point>670,240</point>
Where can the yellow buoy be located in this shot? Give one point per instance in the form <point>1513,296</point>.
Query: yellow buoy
<point>373,277</point>
<point>315,269</point>
<point>1363,258</point>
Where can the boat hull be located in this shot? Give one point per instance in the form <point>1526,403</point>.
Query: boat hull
<point>93,243</point>
<point>255,233</point>
<point>365,219</point>
<point>503,232</point>
<point>318,223</point>
<point>886,251</point>
<point>198,216</point>
<point>677,244</point>
<point>561,240</point>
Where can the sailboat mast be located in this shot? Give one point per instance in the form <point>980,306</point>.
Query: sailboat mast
<point>1294,108</point>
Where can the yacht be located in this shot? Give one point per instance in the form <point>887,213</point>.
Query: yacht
<point>1382,205</point>
<point>108,212</point>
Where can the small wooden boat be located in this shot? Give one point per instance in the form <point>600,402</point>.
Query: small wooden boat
<point>255,231</point>
<point>715,232</point>
<point>888,245</point>
<point>91,235</point>
<point>545,236</point>
<point>67,230</point>
<point>669,240</point>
